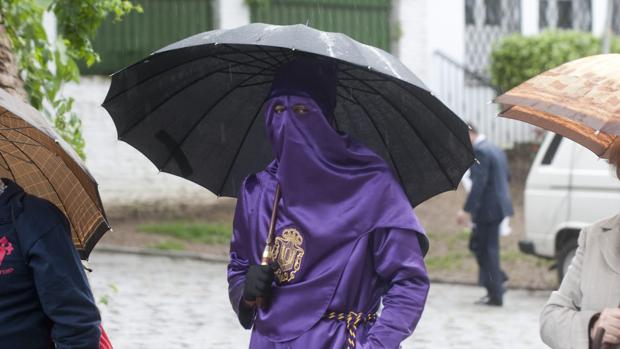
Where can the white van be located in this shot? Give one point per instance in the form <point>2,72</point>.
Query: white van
<point>568,188</point>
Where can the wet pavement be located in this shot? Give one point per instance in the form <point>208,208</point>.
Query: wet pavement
<point>159,302</point>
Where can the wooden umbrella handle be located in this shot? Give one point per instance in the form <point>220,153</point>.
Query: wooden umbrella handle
<point>267,258</point>
<point>597,343</point>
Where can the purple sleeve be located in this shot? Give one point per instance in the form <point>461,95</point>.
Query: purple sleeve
<point>398,259</point>
<point>239,262</point>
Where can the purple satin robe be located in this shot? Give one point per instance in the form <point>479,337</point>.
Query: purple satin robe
<point>346,235</point>
<point>386,263</point>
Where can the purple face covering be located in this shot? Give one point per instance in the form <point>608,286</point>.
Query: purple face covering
<point>334,191</point>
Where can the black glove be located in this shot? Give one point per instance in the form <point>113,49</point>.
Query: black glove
<point>258,282</point>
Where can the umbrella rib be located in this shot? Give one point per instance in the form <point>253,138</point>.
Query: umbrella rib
<point>403,85</point>
<point>359,79</point>
<point>340,95</point>
<point>411,126</point>
<point>8,166</point>
<point>12,116</point>
<point>248,73</point>
<point>177,92</point>
<point>356,89</point>
<point>382,138</point>
<point>22,143</point>
<point>257,83</point>
<point>262,49</point>
<point>18,130</point>
<point>440,119</point>
<point>213,55</point>
<point>15,156</point>
<point>251,56</point>
<point>217,102</point>
<point>248,63</point>
<point>238,151</point>
<point>69,218</point>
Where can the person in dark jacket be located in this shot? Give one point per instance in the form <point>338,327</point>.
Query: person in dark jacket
<point>45,299</point>
<point>488,203</point>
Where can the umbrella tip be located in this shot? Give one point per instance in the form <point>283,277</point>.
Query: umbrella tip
<point>597,132</point>
<point>477,162</point>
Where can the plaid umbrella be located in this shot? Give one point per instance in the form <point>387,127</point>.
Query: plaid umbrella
<point>579,100</point>
<point>34,156</point>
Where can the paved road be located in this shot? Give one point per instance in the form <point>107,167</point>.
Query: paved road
<point>170,303</point>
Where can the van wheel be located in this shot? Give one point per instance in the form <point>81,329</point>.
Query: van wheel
<point>565,256</point>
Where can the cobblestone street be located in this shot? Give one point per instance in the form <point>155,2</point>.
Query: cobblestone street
<point>159,302</point>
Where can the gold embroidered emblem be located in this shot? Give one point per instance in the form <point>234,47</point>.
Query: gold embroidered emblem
<point>287,251</point>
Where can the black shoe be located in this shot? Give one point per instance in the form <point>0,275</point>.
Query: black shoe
<point>482,300</point>
<point>493,302</point>
<point>488,300</point>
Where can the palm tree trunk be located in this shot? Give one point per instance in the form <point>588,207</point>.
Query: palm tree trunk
<point>9,72</point>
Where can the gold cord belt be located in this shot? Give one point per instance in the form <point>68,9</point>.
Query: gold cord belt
<point>353,319</point>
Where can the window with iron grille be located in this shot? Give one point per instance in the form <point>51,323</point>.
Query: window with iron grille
<point>486,21</point>
<point>139,34</point>
<point>565,14</point>
<point>616,17</point>
<point>367,21</point>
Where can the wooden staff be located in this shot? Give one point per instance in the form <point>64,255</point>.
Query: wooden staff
<point>267,258</point>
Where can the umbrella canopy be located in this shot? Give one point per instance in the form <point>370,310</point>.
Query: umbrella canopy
<point>34,156</point>
<point>194,108</point>
<point>579,100</point>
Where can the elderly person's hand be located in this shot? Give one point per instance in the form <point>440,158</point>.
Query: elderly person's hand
<point>609,320</point>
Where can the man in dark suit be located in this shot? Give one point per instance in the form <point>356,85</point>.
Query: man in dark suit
<point>488,203</point>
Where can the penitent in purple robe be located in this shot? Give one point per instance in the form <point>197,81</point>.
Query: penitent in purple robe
<point>346,238</point>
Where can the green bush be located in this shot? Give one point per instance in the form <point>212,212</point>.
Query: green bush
<point>516,58</point>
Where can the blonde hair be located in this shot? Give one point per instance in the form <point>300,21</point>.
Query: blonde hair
<point>614,155</point>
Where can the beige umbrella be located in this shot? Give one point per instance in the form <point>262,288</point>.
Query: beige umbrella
<point>579,100</point>
<point>34,156</point>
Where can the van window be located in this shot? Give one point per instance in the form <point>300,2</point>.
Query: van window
<point>552,150</point>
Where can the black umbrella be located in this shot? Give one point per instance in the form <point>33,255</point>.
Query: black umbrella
<point>194,108</point>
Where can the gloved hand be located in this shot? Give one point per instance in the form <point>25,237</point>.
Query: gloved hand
<point>258,282</point>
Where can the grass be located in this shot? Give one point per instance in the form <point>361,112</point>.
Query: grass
<point>169,245</point>
<point>450,261</point>
<point>206,233</point>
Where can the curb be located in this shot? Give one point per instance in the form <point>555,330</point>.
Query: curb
<point>205,257</point>
<point>144,251</point>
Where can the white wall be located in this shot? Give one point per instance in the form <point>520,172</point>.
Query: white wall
<point>529,17</point>
<point>428,26</point>
<point>599,14</point>
<point>232,13</point>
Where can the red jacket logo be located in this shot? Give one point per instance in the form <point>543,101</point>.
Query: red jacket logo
<point>6,248</point>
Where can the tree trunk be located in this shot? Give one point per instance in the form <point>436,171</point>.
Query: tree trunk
<point>9,72</point>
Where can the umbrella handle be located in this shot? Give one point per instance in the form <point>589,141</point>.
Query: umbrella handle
<point>597,343</point>
<point>267,257</point>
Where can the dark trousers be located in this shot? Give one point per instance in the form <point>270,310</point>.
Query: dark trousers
<point>484,243</point>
